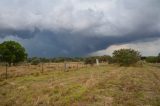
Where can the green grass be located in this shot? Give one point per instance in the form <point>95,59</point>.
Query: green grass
<point>108,85</point>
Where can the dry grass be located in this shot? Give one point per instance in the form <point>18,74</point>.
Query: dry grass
<point>106,85</point>
<point>27,69</point>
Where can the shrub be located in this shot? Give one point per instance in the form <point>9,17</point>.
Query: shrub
<point>90,60</point>
<point>105,58</point>
<point>126,57</point>
<point>152,59</point>
<point>35,61</point>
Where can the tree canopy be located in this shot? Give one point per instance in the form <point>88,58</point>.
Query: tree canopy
<point>126,57</point>
<point>12,52</point>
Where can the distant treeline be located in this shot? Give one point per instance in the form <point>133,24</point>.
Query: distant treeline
<point>151,59</point>
<point>88,60</point>
<point>37,60</point>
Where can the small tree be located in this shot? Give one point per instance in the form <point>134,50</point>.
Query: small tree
<point>105,58</point>
<point>90,60</point>
<point>126,57</point>
<point>158,58</point>
<point>35,61</point>
<point>152,59</point>
<point>12,52</point>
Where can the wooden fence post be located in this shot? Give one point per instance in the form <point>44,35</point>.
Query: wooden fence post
<point>42,68</point>
<point>65,66</point>
<point>6,70</point>
<point>77,66</point>
<point>97,62</point>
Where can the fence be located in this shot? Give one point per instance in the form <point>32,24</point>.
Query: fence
<point>28,69</point>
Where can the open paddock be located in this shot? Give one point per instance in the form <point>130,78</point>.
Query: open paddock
<point>28,69</point>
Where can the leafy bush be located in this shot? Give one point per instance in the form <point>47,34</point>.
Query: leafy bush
<point>35,61</point>
<point>90,60</point>
<point>126,57</point>
<point>102,59</point>
<point>152,59</point>
<point>105,58</point>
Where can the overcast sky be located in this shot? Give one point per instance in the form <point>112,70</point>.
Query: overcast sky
<point>50,28</point>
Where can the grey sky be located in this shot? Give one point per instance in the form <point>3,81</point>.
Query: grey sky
<point>79,27</point>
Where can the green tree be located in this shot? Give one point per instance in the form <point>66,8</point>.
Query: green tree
<point>158,58</point>
<point>105,58</point>
<point>126,57</point>
<point>35,61</point>
<point>152,59</point>
<point>12,52</point>
<point>90,60</point>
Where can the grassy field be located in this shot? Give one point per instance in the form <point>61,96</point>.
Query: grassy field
<point>107,85</point>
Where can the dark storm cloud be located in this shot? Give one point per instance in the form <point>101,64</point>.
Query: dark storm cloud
<point>78,27</point>
<point>24,34</point>
<point>48,43</point>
